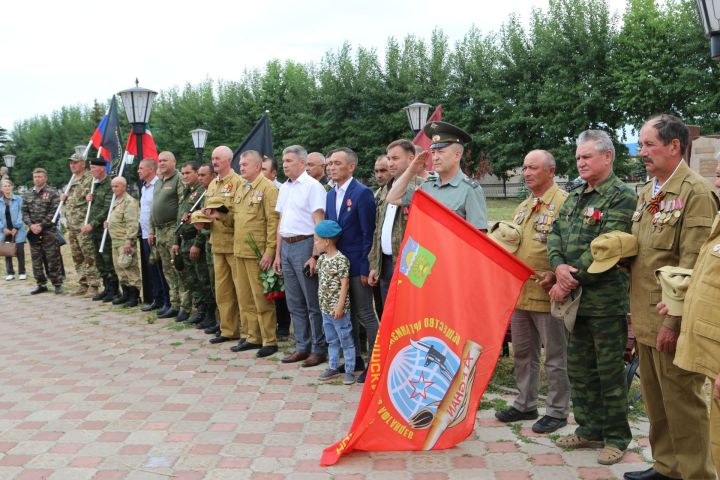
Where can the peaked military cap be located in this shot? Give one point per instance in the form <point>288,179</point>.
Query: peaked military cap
<point>76,158</point>
<point>442,134</point>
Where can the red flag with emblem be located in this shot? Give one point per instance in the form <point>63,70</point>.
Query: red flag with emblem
<point>149,150</point>
<point>450,300</point>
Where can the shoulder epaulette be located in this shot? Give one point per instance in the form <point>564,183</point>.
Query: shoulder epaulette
<point>470,181</point>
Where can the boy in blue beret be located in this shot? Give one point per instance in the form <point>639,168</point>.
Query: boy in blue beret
<point>334,271</point>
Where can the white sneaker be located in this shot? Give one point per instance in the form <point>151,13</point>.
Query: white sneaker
<point>10,277</point>
<point>22,276</point>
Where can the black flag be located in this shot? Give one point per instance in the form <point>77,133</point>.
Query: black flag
<point>259,139</point>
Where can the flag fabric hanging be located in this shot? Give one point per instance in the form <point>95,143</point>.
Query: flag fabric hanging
<point>451,297</point>
<point>259,139</point>
<point>149,150</point>
<point>422,140</point>
<point>107,134</point>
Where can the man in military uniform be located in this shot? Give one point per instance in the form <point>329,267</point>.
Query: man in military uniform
<point>698,347</point>
<point>601,204</point>
<point>123,229</point>
<point>99,205</point>
<point>382,174</point>
<point>391,219</point>
<point>255,221</point>
<point>206,174</point>
<point>163,217</point>
<point>81,246</point>
<point>38,209</point>
<point>222,191</point>
<point>532,326</point>
<point>315,167</point>
<point>672,220</point>
<point>189,245</point>
<point>450,186</point>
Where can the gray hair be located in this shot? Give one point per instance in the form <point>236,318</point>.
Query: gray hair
<point>7,181</point>
<point>297,150</point>
<point>602,140</point>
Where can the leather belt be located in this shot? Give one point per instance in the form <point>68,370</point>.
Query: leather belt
<point>296,238</point>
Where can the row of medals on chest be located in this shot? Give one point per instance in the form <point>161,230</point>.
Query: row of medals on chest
<point>541,222</point>
<point>665,211</point>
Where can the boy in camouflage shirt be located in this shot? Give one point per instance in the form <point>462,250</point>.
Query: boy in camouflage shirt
<point>334,271</point>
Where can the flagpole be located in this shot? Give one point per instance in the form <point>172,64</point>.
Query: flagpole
<point>112,202</point>
<point>92,189</point>
<point>62,202</point>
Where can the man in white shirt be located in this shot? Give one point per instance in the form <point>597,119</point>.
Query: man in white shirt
<point>301,205</point>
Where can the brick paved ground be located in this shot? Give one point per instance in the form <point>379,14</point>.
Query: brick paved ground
<point>91,391</point>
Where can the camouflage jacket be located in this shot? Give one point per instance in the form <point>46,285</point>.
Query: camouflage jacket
<point>186,231</point>
<point>39,207</point>
<point>587,213</point>
<point>398,225</point>
<point>102,196</point>
<point>75,207</point>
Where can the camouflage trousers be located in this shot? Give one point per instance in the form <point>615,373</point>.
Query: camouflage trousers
<point>129,276</point>
<point>180,298</point>
<point>196,275</point>
<point>45,250</point>
<point>104,260</point>
<point>211,268</point>
<point>82,250</point>
<point>597,378</point>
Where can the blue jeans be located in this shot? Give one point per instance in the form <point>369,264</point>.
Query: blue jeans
<point>301,294</point>
<point>339,333</point>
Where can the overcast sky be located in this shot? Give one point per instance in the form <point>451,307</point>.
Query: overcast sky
<point>57,53</point>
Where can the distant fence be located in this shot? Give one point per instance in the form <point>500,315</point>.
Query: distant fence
<point>519,190</point>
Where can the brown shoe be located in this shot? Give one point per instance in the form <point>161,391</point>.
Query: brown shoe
<point>295,357</point>
<point>314,360</point>
<point>91,292</point>
<point>81,291</point>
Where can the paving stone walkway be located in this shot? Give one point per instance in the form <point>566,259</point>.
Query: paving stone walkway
<point>91,391</point>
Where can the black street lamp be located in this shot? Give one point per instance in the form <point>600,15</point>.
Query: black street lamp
<point>417,114</point>
<point>709,11</point>
<point>138,105</point>
<point>9,163</point>
<point>199,137</point>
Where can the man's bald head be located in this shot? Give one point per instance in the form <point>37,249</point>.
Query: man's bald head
<point>221,159</point>
<point>118,186</point>
<point>315,165</point>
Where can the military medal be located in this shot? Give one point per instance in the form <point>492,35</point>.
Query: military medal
<point>716,248</point>
<point>349,204</point>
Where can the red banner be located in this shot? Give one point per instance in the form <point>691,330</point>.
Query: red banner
<point>450,300</point>
<point>149,150</point>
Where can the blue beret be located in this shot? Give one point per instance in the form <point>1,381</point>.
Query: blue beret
<point>328,229</point>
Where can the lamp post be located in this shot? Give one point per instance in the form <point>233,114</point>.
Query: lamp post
<point>9,163</point>
<point>199,137</point>
<point>138,105</point>
<point>709,11</point>
<point>417,114</point>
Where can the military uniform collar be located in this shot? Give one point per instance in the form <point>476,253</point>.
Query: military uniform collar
<point>174,172</point>
<point>455,181</point>
<point>603,187</point>
<point>673,184</point>
<point>36,190</point>
<point>257,181</point>
<point>548,195</point>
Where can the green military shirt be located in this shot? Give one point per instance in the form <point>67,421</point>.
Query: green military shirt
<point>587,213</point>
<point>166,198</point>
<point>76,205</point>
<point>190,196</point>
<point>102,196</point>
<point>461,194</point>
<point>399,221</point>
<point>671,233</point>
<point>39,207</point>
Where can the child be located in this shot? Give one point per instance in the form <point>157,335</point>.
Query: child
<point>334,270</point>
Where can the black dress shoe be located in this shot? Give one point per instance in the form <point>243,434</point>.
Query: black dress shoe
<point>164,310</point>
<point>153,306</point>
<point>649,474</point>
<point>38,289</point>
<point>168,314</point>
<point>245,346</point>
<point>548,424</point>
<point>266,351</point>
<point>214,330</point>
<point>236,348</point>
<point>512,414</point>
<point>182,316</point>
<point>221,339</point>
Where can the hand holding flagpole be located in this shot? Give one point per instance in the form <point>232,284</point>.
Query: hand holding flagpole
<point>70,184</point>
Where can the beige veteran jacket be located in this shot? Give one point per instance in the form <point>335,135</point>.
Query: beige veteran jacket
<point>698,348</point>
<point>221,235</point>
<point>672,235</point>
<point>536,219</point>
<point>123,223</point>
<point>253,212</point>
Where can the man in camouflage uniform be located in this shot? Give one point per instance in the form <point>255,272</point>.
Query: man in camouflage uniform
<point>206,174</point>
<point>123,228</point>
<point>101,198</point>
<point>38,209</point>
<point>81,246</point>
<point>190,245</point>
<point>166,198</point>
<point>596,346</point>
<point>390,219</point>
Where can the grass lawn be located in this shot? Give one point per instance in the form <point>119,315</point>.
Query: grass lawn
<point>501,208</point>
